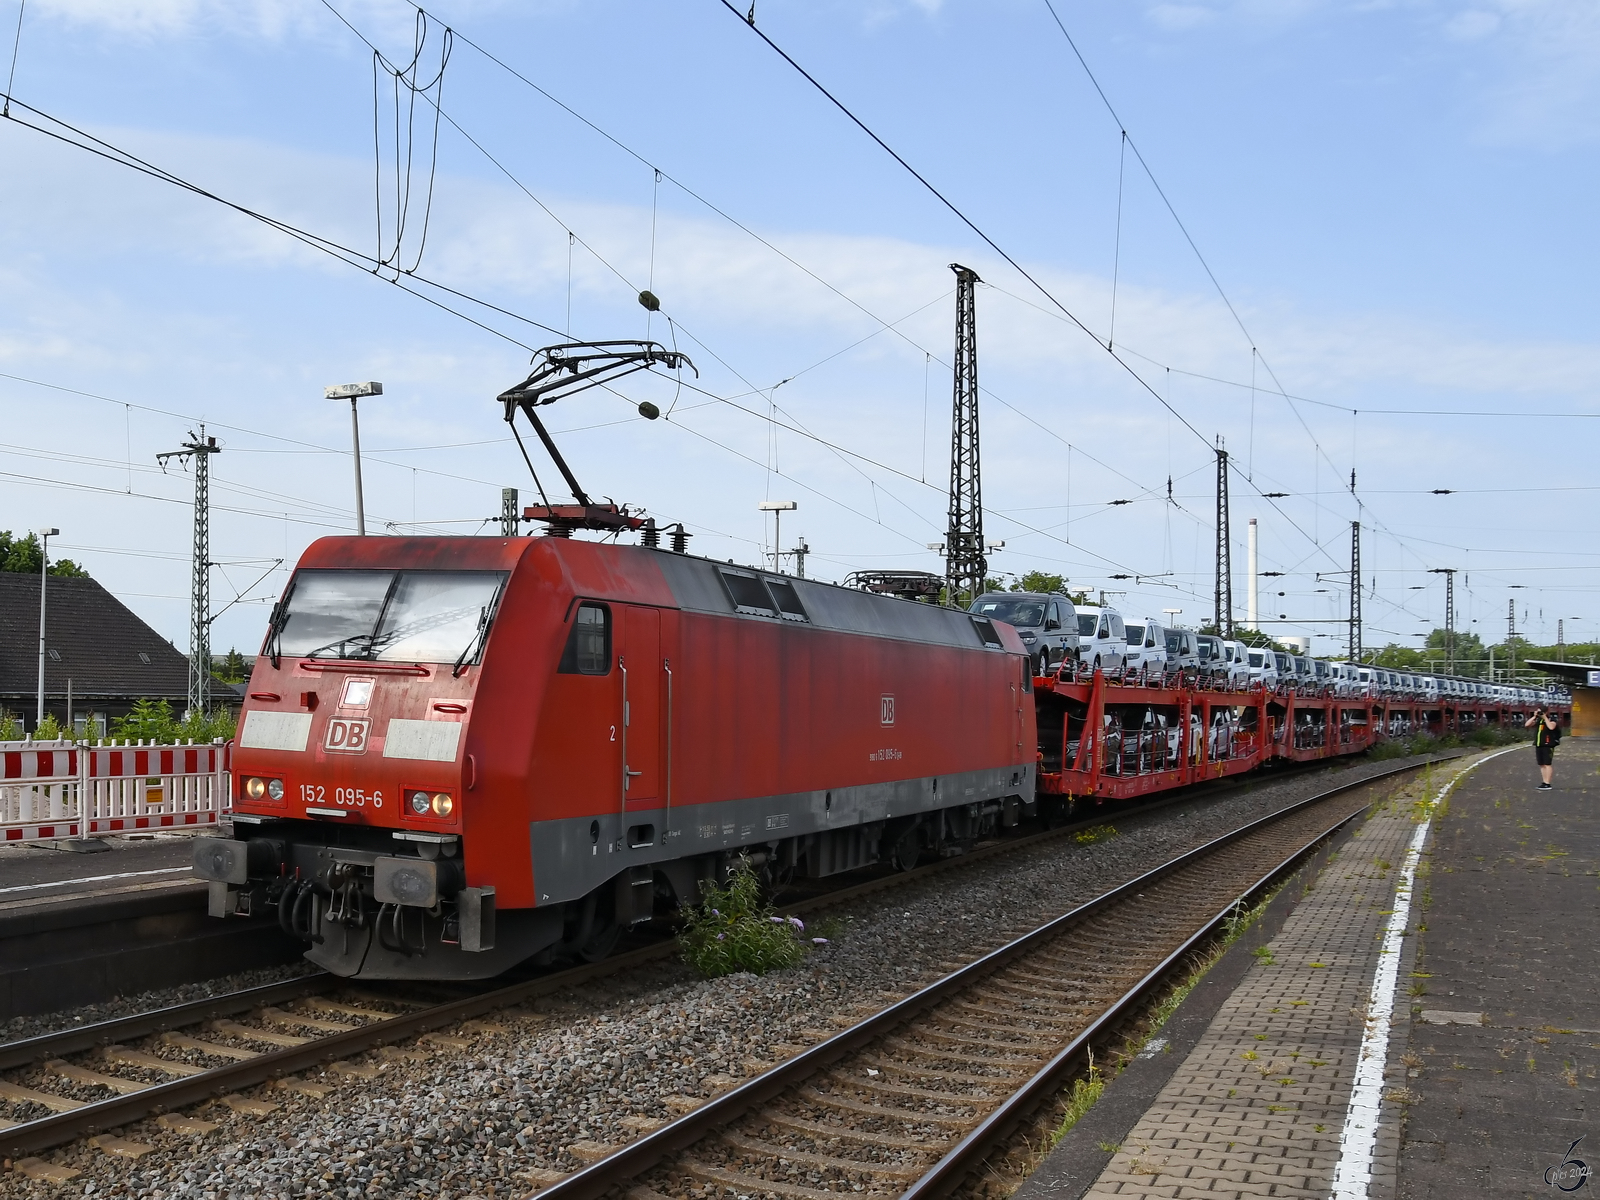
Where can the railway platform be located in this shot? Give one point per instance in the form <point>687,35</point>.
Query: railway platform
<point>1379,1035</point>
<point>77,929</point>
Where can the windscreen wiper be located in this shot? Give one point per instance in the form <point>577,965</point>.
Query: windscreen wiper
<point>356,639</point>
<point>470,649</point>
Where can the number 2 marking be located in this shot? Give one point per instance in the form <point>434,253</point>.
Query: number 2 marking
<point>613,733</point>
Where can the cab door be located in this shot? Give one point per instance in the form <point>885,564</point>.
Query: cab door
<point>639,669</point>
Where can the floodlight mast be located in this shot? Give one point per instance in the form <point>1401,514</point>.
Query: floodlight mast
<point>565,370</point>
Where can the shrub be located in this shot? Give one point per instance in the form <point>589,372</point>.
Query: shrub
<point>49,729</point>
<point>153,721</point>
<point>734,929</point>
<point>10,727</point>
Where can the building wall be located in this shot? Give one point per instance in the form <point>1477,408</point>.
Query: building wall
<point>1585,712</point>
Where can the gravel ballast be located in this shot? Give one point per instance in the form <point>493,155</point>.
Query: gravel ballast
<point>539,1092</point>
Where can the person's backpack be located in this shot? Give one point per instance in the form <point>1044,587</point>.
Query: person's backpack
<point>1555,735</point>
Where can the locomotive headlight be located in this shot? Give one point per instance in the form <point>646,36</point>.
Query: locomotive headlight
<point>274,788</point>
<point>419,803</point>
<point>255,788</point>
<point>443,805</point>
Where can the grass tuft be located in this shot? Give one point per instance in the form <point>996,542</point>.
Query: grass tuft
<point>1093,834</point>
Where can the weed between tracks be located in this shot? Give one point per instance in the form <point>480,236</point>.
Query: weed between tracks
<point>1075,1102</point>
<point>733,930</point>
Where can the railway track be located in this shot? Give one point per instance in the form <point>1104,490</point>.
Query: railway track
<point>88,1081</point>
<point>912,1100</point>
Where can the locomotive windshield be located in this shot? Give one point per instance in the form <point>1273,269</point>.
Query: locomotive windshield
<point>411,616</point>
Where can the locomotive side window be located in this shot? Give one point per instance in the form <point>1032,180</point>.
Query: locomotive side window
<point>588,649</point>
<point>748,593</point>
<point>987,633</point>
<point>788,601</point>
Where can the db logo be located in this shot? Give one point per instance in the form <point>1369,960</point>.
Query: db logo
<point>346,735</point>
<point>886,710</point>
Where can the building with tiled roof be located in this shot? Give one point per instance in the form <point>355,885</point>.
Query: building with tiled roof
<point>99,656</point>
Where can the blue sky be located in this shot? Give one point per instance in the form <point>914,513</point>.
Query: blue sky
<point>1394,197</point>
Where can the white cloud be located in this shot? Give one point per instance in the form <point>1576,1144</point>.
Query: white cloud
<point>1549,75</point>
<point>1176,18</point>
<point>130,289</point>
<point>270,18</point>
<point>1471,25</point>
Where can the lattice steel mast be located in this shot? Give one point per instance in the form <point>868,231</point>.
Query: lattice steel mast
<point>200,449</point>
<point>1224,596</point>
<point>1449,574</point>
<point>965,566</point>
<point>1355,591</point>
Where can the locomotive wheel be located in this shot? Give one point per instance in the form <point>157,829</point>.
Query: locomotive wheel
<point>907,850</point>
<point>602,943</point>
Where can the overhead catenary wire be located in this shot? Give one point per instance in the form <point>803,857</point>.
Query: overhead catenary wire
<point>962,217</point>
<point>658,174</point>
<point>871,482</point>
<point>16,45</point>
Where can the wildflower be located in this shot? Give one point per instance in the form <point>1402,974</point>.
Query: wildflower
<point>721,936</point>
<point>798,924</point>
<point>776,920</point>
<point>819,941</point>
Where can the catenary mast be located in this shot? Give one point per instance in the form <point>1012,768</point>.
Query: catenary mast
<point>965,566</point>
<point>200,449</point>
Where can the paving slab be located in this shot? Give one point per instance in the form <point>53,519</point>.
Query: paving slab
<point>1257,1106</point>
<point>1510,923</point>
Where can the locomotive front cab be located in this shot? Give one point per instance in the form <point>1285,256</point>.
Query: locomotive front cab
<point>351,768</point>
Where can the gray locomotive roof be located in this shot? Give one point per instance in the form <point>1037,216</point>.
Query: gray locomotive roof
<point>697,587</point>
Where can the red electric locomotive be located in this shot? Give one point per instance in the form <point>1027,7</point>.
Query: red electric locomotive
<point>457,754</point>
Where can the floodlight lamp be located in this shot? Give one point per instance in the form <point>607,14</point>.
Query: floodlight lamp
<point>350,391</point>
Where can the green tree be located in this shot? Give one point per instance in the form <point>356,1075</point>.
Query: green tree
<point>1039,581</point>
<point>148,720</point>
<point>231,669</point>
<point>23,555</point>
<point>1254,637</point>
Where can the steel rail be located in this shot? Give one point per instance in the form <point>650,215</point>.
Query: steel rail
<point>118,1029</point>
<point>158,1020</point>
<point>632,1160</point>
<point>947,1174</point>
<point>31,1137</point>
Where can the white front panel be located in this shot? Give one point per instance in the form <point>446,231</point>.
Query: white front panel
<point>275,730</point>
<point>435,741</point>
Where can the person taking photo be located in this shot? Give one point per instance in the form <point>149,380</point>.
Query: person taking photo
<point>1546,728</point>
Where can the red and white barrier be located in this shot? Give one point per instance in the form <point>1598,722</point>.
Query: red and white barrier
<point>66,790</point>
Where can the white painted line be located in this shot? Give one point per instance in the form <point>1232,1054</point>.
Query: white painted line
<point>1352,1178</point>
<point>34,887</point>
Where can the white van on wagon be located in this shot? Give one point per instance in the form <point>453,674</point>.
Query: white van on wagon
<point>1102,638</point>
<point>1147,648</point>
